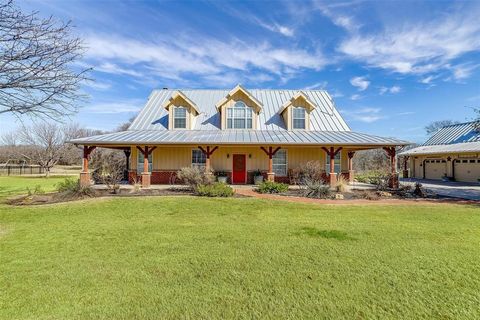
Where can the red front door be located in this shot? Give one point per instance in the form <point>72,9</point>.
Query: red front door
<point>239,169</point>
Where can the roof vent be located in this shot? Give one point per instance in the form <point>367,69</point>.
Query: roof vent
<point>164,88</point>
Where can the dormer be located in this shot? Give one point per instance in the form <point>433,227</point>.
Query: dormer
<point>239,109</point>
<point>296,112</point>
<point>181,112</point>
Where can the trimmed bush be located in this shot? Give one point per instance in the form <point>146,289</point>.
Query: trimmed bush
<point>194,177</point>
<point>316,189</point>
<point>272,187</point>
<point>217,189</point>
<point>72,187</point>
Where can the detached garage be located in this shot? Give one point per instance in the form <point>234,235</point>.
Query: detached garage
<point>467,170</point>
<point>435,169</point>
<point>452,152</point>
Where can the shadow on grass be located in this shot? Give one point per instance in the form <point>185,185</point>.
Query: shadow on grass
<point>327,234</point>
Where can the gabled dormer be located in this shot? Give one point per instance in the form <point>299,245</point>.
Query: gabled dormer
<point>181,112</point>
<point>296,112</point>
<point>239,109</point>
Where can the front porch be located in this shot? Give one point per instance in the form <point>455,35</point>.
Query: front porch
<point>159,164</point>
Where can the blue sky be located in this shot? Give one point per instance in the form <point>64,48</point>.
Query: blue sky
<point>392,67</point>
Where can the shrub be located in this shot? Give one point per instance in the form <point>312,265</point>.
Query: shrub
<point>217,189</point>
<point>194,177</point>
<point>316,189</point>
<point>272,187</point>
<point>341,185</point>
<point>72,187</point>
<point>312,170</point>
<point>419,191</point>
<point>37,190</point>
<point>371,177</point>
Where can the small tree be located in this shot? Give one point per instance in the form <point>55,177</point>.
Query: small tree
<point>109,168</point>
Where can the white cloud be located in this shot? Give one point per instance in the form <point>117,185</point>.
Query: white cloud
<point>360,82</point>
<point>100,86</point>
<point>339,19</point>
<point>319,86</point>
<point>367,115</point>
<point>418,48</point>
<point>125,106</point>
<point>205,57</point>
<point>463,71</point>
<point>277,28</point>
<point>393,89</point>
<point>355,97</point>
<point>428,80</point>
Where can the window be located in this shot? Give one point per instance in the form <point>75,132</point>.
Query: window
<point>280,162</point>
<point>140,163</point>
<point>239,116</point>
<point>338,164</point>
<point>180,118</point>
<point>198,158</point>
<point>298,118</point>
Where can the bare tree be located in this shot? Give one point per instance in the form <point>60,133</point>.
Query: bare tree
<point>437,125</point>
<point>124,126</point>
<point>109,168</point>
<point>37,57</point>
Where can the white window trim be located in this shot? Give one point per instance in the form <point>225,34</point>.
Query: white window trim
<point>140,165</point>
<point>286,164</point>
<point>304,118</point>
<point>195,165</point>
<point>245,118</point>
<point>186,118</point>
<point>337,162</point>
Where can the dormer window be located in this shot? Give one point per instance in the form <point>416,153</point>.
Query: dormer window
<point>298,118</point>
<point>180,118</point>
<point>239,116</point>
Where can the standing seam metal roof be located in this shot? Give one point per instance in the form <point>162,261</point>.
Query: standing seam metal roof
<point>324,117</point>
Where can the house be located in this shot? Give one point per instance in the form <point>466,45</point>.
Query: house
<point>237,131</point>
<point>452,152</point>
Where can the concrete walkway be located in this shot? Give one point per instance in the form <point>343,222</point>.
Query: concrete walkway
<point>461,190</point>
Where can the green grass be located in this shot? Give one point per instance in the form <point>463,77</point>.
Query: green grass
<point>198,258</point>
<point>13,185</point>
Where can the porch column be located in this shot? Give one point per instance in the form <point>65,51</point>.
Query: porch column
<point>146,175</point>
<point>85,175</point>
<point>332,153</point>
<point>405,166</point>
<point>270,153</point>
<point>351,172</point>
<point>208,152</point>
<point>127,153</point>
<point>393,183</point>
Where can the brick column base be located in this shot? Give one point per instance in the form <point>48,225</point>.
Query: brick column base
<point>351,176</point>
<point>271,176</point>
<point>393,183</point>
<point>146,179</point>
<point>405,173</point>
<point>85,179</point>
<point>332,179</point>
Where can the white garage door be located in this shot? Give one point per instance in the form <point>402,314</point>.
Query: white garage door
<point>435,169</point>
<point>467,170</point>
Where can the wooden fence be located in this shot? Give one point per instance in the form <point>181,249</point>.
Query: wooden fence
<point>18,170</point>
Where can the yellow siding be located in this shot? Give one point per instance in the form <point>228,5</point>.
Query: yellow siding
<point>171,158</point>
<point>239,95</point>
<point>287,114</point>
<point>191,113</point>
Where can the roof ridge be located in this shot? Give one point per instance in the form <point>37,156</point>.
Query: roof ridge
<point>227,89</point>
<point>460,124</point>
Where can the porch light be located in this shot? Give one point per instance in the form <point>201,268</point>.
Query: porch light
<point>228,155</point>
<point>250,156</point>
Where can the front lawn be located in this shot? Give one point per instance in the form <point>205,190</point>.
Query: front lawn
<point>12,185</point>
<point>187,257</point>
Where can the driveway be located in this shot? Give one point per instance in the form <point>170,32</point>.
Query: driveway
<point>462,190</point>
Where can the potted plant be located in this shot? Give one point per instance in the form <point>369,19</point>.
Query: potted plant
<point>222,177</point>
<point>257,177</point>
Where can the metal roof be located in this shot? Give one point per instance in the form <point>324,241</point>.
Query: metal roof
<point>226,137</point>
<point>456,133</point>
<point>455,138</point>
<point>325,117</point>
<point>466,147</point>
